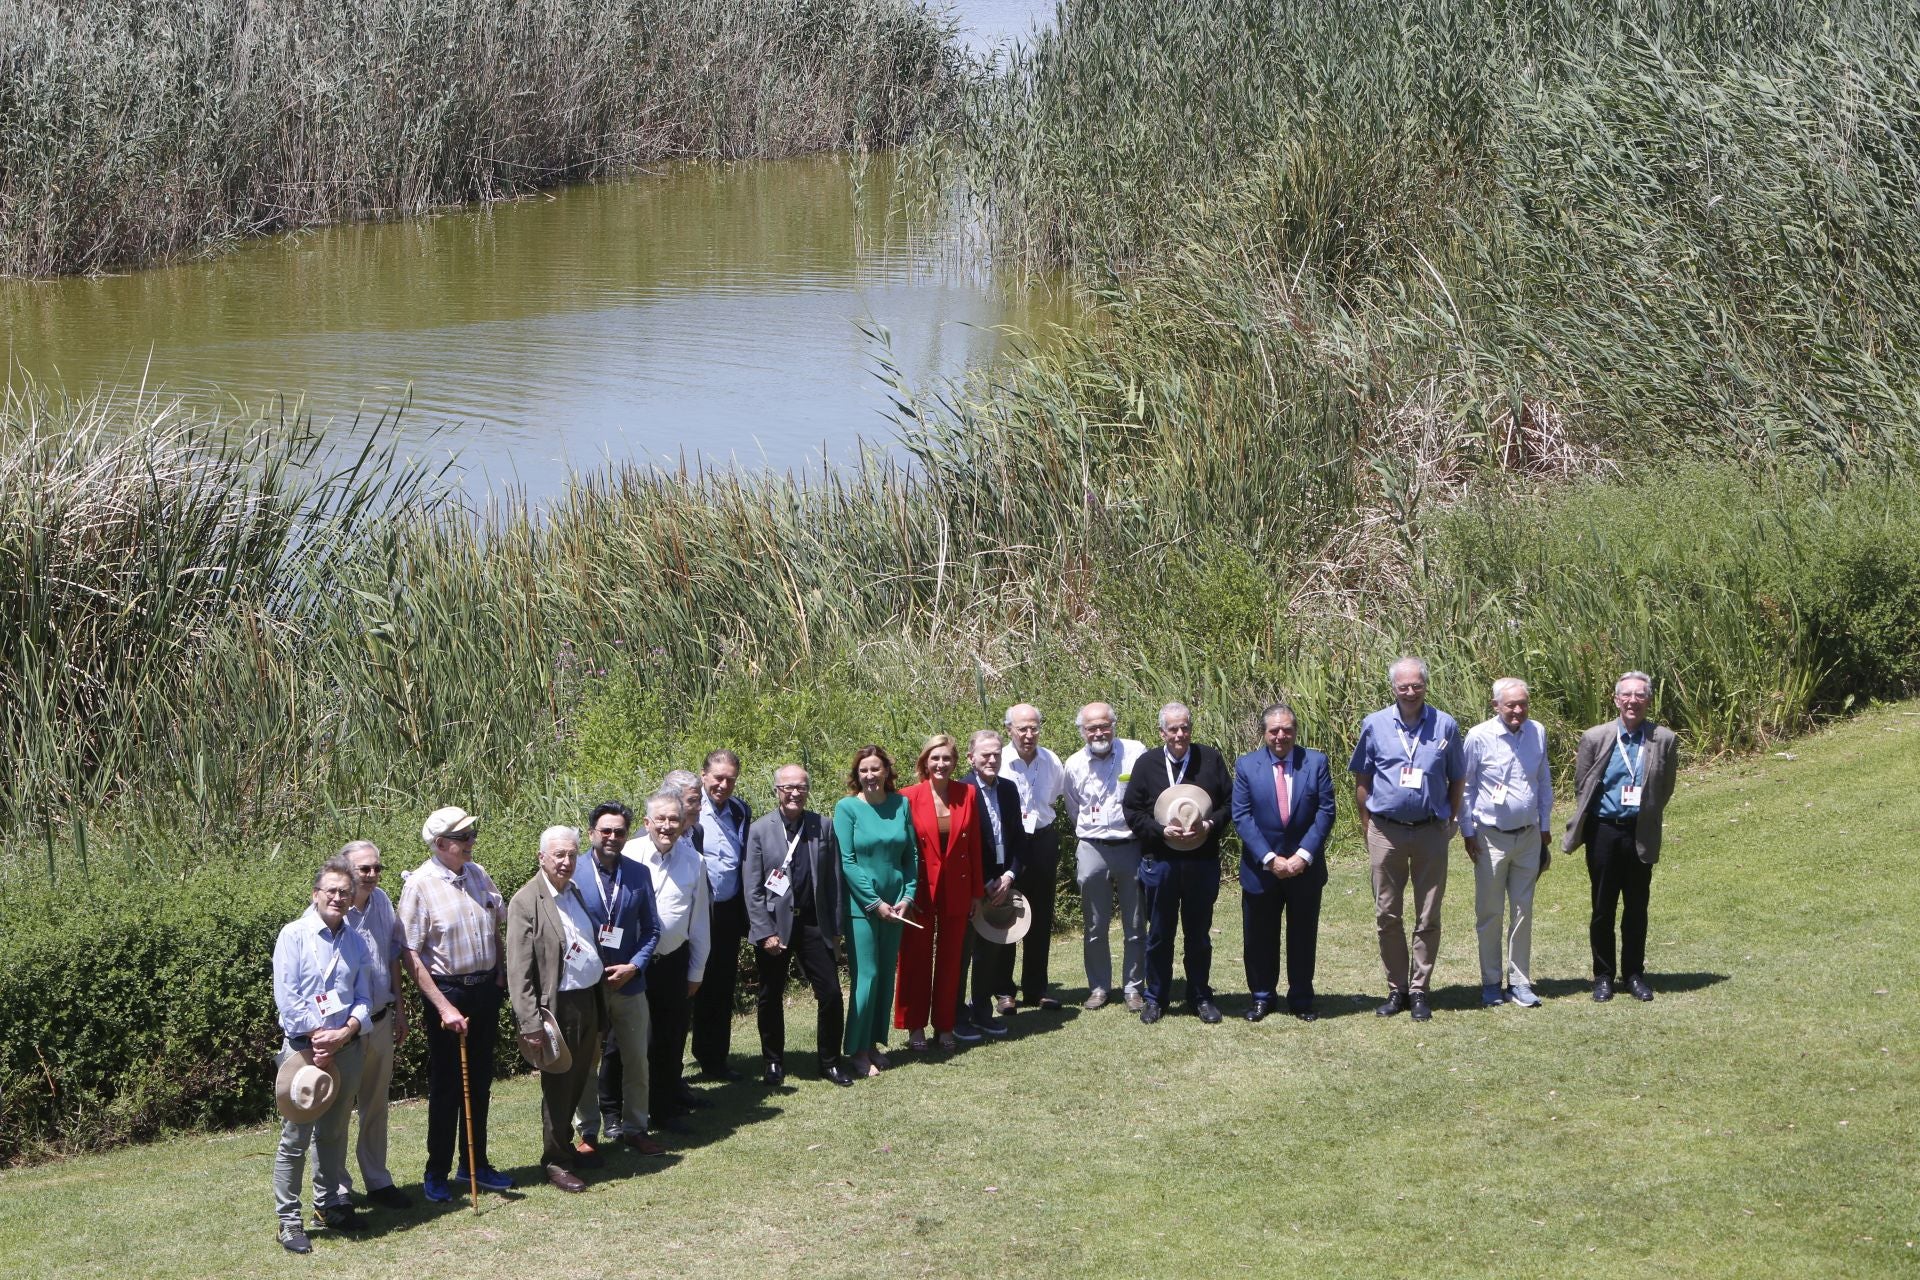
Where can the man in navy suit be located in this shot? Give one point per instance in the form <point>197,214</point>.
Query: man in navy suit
<point>1283,810</point>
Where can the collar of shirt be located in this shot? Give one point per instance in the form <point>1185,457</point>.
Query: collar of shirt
<point>1637,735</point>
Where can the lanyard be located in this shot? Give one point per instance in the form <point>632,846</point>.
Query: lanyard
<point>1409,745</point>
<point>793,842</point>
<point>991,803</point>
<point>1173,779</point>
<point>609,889</point>
<point>326,974</point>
<point>1633,762</point>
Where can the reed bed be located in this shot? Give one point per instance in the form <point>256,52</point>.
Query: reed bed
<point>130,131</point>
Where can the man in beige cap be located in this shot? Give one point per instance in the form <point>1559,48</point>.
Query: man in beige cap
<point>320,988</point>
<point>451,914</point>
<point>554,970</point>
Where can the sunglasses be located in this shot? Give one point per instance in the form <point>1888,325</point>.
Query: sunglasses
<point>462,837</point>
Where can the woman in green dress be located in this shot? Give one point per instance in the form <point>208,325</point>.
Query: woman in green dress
<point>879,861</point>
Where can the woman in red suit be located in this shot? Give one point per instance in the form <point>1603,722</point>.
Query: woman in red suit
<point>946,823</point>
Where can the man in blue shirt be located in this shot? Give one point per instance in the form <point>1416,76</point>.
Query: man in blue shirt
<point>618,893</point>
<point>1622,778</point>
<point>1504,824</point>
<point>320,989</point>
<point>1409,770</point>
<point>724,821</point>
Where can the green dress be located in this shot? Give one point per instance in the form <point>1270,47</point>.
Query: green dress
<point>879,862</point>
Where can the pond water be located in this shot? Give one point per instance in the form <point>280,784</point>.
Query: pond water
<point>722,312</point>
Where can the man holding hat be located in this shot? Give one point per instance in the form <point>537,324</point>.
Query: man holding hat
<point>451,914</point>
<point>1003,844</point>
<point>1177,805</point>
<point>553,980</point>
<point>320,988</point>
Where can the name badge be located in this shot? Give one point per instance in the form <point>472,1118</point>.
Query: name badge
<point>1411,778</point>
<point>1497,793</point>
<point>611,934</point>
<point>576,948</point>
<point>327,1003</point>
<point>1630,796</point>
<point>777,882</point>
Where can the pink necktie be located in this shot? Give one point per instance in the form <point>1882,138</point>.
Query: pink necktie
<point>1280,790</point>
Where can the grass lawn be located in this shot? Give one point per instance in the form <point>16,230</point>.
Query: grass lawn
<point>1757,1119</point>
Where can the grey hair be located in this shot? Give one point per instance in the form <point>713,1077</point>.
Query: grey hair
<point>334,866</point>
<point>1635,675</point>
<point>1408,661</point>
<point>1080,716</point>
<point>667,797</point>
<point>682,780</point>
<point>974,739</point>
<point>1276,708</point>
<point>554,835</point>
<point>352,847</point>
<point>790,765</point>
<point>1007,719</point>
<point>1509,684</point>
<point>1174,708</point>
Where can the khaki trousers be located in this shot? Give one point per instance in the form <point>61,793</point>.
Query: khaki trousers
<point>1506,872</point>
<point>1397,853</point>
<point>376,1083</point>
<point>630,1020</point>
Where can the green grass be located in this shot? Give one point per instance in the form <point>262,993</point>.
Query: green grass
<point>1755,1120</point>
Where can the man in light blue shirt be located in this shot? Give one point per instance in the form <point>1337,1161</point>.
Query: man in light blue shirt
<point>1504,824</point>
<point>722,841</point>
<point>320,988</point>
<point>1408,773</point>
<point>371,915</point>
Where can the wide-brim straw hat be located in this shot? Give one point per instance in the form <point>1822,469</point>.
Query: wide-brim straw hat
<point>1186,804</point>
<point>303,1092</point>
<point>1007,922</point>
<point>557,1058</point>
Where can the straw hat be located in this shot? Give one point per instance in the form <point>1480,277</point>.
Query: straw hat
<point>1007,922</point>
<point>303,1092</point>
<point>1185,804</point>
<point>556,1058</point>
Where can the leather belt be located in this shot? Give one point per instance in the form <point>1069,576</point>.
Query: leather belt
<point>1424,822</point>
<point>385,1009</point>
<point>1514,831</point>
<point>1108,839</point>
<point>463,979</point>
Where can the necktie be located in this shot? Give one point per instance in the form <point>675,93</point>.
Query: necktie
<point>1280,790</point>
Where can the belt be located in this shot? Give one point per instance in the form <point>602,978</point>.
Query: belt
<point>385,1009</point>
<point>1514,831</point>
<point>463,979</point>
<point>1424,822</point>
<point>1619,822</point>
<point>1108,839</point>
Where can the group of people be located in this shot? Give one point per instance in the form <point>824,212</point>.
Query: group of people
<point>604,959</point>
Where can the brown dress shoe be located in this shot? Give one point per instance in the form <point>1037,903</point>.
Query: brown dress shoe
<point>562,1179</point>
<point>1096,999</point>
<point>1135,1002</point>
<point>643,1144</point>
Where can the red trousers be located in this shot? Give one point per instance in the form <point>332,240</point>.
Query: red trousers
<point>930,969</point>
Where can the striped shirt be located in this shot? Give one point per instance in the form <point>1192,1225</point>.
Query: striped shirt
<point>452,922</point>
<point>379,928</point>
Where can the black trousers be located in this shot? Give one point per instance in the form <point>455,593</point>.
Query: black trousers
<point>814,951</point>
<point>1296,904</point>
<point>670,1009</point>
<point>1179,893</point>
<point>713,1007</point>
<point>480,1005</point>
<point>1037,882</point>
<point>1619,881</point>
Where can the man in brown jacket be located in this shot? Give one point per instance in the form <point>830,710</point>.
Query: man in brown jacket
<point>553,980</point>
<point>1622,777</point>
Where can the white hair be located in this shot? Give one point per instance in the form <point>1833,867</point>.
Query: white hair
<point>1507,685</point>
<point>1408,662</point>
<point>1641,676</point>
<point>668,798</point>
<point>1175,709</point>
<point>1007,719</point>
<point>555,835</point>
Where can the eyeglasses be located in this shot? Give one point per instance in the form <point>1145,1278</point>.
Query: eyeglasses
<point>334,893</point>
<point>794,788</point>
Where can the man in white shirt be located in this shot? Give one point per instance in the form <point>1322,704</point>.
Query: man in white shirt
<point>1106,856</point>
<point>372,916</point>
<point>1042,780</point>
<point>1504,822</point>
<point>682,897</point>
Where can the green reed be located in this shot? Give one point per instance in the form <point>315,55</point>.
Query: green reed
<point>133,130</point>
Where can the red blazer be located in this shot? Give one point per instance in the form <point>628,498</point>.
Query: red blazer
<point>950,875</point>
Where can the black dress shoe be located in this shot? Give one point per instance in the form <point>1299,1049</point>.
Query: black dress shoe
<point>834,1073</point>
<point>1637,985</point>
<point>690,1100</point>
<point>1306,1015</point>
<point>564,1180</point>
<point>720,1075</point>
<point>1259,1009</point>
<point>776,1075</point>
<point>1396,1003</point>
<point>1207,1010</point>
<point>1149,1012</point>
<point>293,1238</point>
<point>1602,990</point>
<point>389,1197</point>
<point>1421,1011</point>
<point>342,1218</point>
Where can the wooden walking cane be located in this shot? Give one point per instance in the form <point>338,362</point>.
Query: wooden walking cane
<point>466,1107</point>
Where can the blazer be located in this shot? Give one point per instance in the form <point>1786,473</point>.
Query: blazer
<point>634,913</point>
<point>1207,769</point>
<point>950,869</point>
<point>1256,815</point>
<point>771,916</point>
<point>536,952</point>
<point>1660,761</point>
<point>1013,830</point>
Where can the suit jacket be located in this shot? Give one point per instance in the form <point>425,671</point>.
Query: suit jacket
<point>1659,764</point>
<point>771,916</point>
<point>950,869</point>
<point>1206,769</point>
<point>1013,831</point>
<point>536,951</point>
<point>1256,815</point>
<point>634,913</point>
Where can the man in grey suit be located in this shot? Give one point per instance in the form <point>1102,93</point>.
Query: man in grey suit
<point>791,875</point>
<point>1622,778</point>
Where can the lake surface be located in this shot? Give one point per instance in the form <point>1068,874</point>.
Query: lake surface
<point>726,312</point>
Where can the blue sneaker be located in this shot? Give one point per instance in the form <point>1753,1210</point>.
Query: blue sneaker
<point>1522,994</point>
<point>489,1178</point>
<point>1490,995</point>
<point>434,1187</point>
